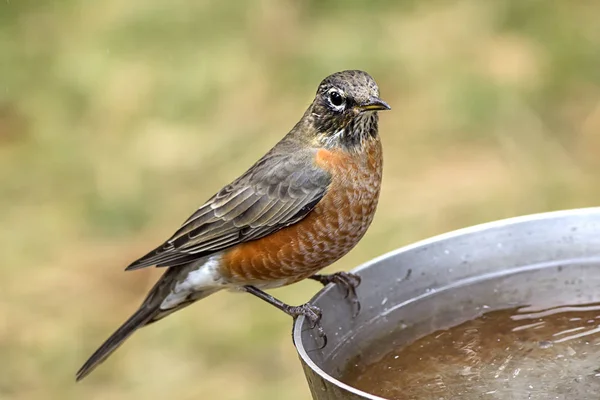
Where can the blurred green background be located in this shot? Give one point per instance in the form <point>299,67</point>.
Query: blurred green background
<point>119,118</point>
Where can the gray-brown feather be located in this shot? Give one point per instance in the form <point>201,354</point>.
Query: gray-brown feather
<point>149,312</point>
<point>279,190</point>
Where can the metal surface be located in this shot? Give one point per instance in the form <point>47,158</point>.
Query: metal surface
<point>552,257</point>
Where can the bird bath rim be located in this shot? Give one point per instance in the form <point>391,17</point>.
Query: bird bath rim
<point>311,365</point>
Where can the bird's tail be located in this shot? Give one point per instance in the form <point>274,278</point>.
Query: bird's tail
<point>150,311</point>
<point>136,321</point>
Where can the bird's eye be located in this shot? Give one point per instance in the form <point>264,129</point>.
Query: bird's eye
<point>336,99</point>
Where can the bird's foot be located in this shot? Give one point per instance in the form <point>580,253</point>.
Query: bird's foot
<point>311,313</point>
<point>347,281</point>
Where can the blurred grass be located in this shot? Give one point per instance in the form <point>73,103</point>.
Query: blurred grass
<point>117,119</point>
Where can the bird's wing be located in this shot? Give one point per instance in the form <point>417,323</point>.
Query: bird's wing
<point>278,191</point>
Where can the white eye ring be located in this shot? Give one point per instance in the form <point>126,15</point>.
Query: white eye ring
<point>336,99</point>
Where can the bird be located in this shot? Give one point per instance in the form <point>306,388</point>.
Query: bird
<point>302,206</point>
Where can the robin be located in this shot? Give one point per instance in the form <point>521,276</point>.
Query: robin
<point>302,206</point>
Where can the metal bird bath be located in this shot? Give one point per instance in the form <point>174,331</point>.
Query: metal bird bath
<point>440,281</point>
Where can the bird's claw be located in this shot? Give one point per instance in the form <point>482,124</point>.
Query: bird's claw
<point>313,314</point>
<point>347,281</point>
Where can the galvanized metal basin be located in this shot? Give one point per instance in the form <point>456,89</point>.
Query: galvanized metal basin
<point>554,257</point>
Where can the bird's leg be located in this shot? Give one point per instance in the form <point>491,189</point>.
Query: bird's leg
<point>310,312</point>
<point>345,280</point>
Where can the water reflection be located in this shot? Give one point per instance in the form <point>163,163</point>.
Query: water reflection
<point>519,353</point>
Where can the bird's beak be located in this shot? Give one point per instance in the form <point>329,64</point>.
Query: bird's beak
<point>374,104</point>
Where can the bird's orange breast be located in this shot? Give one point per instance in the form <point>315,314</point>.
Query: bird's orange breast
<point>331,230</point>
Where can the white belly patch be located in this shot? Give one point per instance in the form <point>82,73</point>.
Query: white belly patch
<point>206,276</point>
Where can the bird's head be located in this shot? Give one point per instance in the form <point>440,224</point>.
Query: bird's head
<point>344,111</point>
